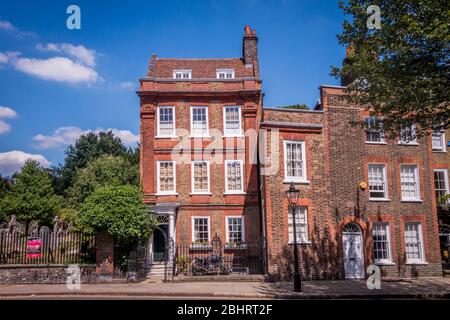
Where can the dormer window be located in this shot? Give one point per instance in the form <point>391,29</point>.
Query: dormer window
<point>225,73</point>
<point>182,74</point>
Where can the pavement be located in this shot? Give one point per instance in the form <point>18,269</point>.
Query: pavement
<point>423,288</point>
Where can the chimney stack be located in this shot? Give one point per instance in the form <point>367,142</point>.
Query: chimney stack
<point>250,48</point>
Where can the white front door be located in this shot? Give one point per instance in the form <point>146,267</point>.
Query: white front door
<point>353,255</point>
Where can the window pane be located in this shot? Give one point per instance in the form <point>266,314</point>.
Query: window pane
<point>381,249</point>
<point>201,231</point>
<point>374,130</point>
<point>294,160</point>
<point>440,185</point>
<point>166,176</point>
<point>232,120</point>
<point>407,134</point>
<point>377,183</point>
<point>199,121</point>
<point>301,224</point>
<point>166,124</point>
<point>408,179</point>
<point>413,241</point>
<point>234,176</point>
<point>235,230</point>
<point>201,176</point>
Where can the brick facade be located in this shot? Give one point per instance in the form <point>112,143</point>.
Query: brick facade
<point>336,157</point>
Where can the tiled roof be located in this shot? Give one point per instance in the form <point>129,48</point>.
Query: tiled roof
<point>201,68</point>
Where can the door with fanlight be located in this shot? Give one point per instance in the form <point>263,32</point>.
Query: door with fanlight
<point>352,243</point>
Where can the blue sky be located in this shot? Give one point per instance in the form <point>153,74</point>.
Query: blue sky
<point>57,83</point>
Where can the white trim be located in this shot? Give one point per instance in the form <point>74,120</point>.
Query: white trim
<point>206,135</point>
<point>299,241</point>
<point>218,71</point>
<point>158,182</point>
<point>192,177</point>
<point>242,227</point>
<point>241,190</point>
<point>417,178</point>
<point>447,186</point>
<point>388,238</point>
<point>444,145</point>
<point>381,131</point>
<point>386,189</point>
<point>422,251</point>
<point>225,134</point>
<point>287,178</point>
<point>158,134</point>
<point>193,229</point>
<point>182,71</point>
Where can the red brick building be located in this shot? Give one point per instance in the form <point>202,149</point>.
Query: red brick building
<point>202,121</point>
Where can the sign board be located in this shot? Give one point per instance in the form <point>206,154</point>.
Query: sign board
<point>34,246</point>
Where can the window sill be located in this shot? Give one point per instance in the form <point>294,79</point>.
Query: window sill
<point>200,137</point>
<point>299,242</point>
<point>419,263</point>
<point>158,194</point>
<point>379,199</point>
<point>373,142</point>
<point>384,263</point>
<point>408,144</point>
<point>412,200</point>
<point>200,247</point>
<point>296,181</point>
<point>166,137</point>
<point>239,193</point>
<point>200,193</point>
<point>439,151</point>
<point>236,247</point>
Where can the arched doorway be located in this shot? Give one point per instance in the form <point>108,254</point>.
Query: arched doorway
<point>352,244</point>
<point>159,242</point>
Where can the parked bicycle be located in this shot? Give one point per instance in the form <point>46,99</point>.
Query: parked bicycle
<point>212,264</point>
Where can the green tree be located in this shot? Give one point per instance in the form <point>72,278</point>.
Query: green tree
<point>296,106</point>
<point>402,70</point>
<point>119,211</point>
<point>101,172</point>
<point>4,185</point>
<point>88,147</point>
<point>31,195</point>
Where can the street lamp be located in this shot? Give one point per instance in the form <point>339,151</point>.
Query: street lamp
<point>292,195</point>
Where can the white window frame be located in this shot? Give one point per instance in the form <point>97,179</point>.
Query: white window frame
<point>447,187</point>
<point>368,129</point>
<point>416,174</point>
<point>412,142</point>
<point>225,71</point>
<point>189,72</point>
<point>421,248</point>
<point>232,134</point>
<point>388,239</point>
<point>291,238</point>
<point>208,192</point>
<point>441,133</point>
<point>193,227</point>
<point>158,133</point>
<point>158,182</point>
<point>242,227</point>
<point>385,180</point>
<point>204,135</point>
<point>241,164</point>
<point>303,178</point>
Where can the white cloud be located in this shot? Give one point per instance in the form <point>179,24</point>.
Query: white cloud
<point>12,161</point>
<point>57,69</point>
<point>7,56</point>
<point>8,27</point>
<point>68,135</point>
<point>126,85</point>
<point>6,112</point>
<point>4,127</point>
<point>81,54</point>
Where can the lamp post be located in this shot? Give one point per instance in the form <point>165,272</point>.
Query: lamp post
<point>292,195</point>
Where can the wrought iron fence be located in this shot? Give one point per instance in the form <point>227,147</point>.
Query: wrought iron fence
<point>214,258</point>
<point>62,247</point>
<point>131,263</point>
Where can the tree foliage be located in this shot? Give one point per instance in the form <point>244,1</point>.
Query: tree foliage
<point>31,196</point>
<point>101,172</point>
<point>118,210</point>
<point>401,71</point>
<point>88,147</point>
<point>296,106</point>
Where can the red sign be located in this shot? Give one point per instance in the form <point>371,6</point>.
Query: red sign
<point>34,246</point>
